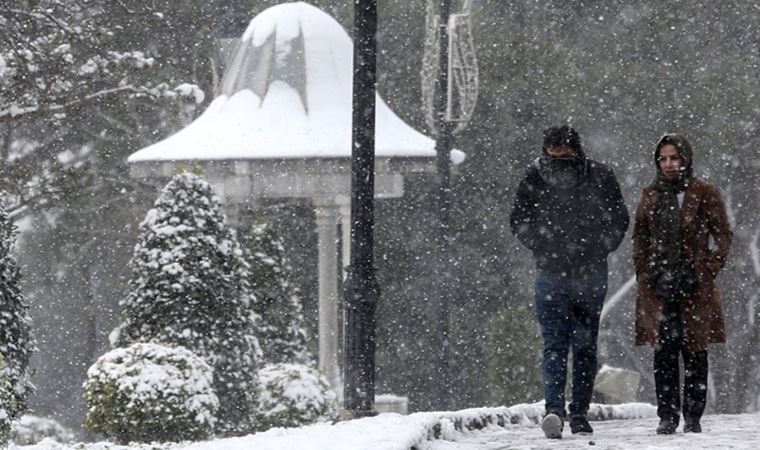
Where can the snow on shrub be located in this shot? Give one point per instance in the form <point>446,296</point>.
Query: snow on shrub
<point>291,395</point>
<point>150,392</point>
<point>16,343</point>
<point>276,300</point>
<point>7,401</point>
<point>30,430</point>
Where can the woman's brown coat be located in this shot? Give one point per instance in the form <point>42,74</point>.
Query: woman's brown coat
<point>702,214</point>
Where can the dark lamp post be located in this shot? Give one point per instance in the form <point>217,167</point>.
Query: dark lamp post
<point>361,290</point>
<point>443,148</point>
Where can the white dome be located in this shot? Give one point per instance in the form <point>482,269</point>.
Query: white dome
<point>287,94</point>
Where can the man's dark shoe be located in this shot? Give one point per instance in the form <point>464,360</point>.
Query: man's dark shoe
<point>667,426</point>
<point>552,425</point>
<point>692,426</point>
<point>579,425</point>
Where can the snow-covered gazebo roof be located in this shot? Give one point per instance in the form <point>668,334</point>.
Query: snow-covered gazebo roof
<point>287,94</point>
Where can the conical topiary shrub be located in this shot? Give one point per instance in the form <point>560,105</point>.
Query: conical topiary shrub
<point>276,299</point>
<point>190,288</point>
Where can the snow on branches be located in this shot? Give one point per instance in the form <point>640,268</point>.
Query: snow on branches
<point>56,55</point>
<point>16,344</point>
<point>79,87</point>
<point>276,300</point>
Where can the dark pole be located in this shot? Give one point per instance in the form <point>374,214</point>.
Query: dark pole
<point>361,290</point>
<point>443,173</point>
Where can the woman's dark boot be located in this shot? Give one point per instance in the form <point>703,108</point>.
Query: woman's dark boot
<point>691,425</point>
<point>579,425</point>
<point>667,425</point>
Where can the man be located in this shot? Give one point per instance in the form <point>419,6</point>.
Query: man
<point>678,309</point>
<point>569,211</point>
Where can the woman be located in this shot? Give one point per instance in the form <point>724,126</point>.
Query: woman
<point>678,308</point>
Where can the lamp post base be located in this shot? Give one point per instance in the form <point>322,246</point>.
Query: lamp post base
<point>348,414</point>
<point>361,293</point>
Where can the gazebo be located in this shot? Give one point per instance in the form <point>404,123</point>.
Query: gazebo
<point>281,128</point>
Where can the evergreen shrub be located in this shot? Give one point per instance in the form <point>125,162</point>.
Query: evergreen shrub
<point>16,343</point>
<point>189,287</point>
<point>7,403</point>
<point>30,430</point>
<point>275,300</point>
<point>513,353</point>
<point>150,392</point>
<point>292,395</point>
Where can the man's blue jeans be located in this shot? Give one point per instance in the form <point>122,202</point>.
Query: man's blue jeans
<point>568,311</point>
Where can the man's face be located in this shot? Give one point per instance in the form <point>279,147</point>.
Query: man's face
<point>560,152</point>
<point>670,161</point>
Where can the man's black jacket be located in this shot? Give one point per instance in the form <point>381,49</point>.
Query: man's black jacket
<point>570,230</point>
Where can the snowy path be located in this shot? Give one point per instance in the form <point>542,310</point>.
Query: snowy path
<point>396,432</point>
<point>741,431</point>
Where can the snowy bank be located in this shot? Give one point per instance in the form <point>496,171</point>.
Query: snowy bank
<point>383,432</point>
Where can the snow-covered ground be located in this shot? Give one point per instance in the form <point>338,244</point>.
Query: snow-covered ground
<point>740,431</point>
<point>632,426</point>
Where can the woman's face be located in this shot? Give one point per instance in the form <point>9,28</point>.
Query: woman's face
<point>670,161</point>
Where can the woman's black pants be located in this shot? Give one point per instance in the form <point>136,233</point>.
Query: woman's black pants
<point>666,371</point>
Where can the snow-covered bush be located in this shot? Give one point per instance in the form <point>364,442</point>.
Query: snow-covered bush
<point>29,430</point>
<point>276,300</point>
<point>16,344</point>
<point>292,395</point>
<point>150,392</point>
<point>7,403</point>
<point>189,287</point>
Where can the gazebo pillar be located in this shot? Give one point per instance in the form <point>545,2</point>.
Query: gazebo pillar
<point>327,214</point>
<point>345,227</point>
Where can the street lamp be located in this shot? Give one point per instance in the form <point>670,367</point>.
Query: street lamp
<point>449,88</point>
<point>443,147</point>
<point>361,289</point>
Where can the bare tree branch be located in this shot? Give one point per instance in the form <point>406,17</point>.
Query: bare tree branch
<point>15,114</point>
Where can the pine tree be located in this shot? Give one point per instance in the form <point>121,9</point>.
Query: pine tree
<point>190,288</point>
<point>16,344</point>
<point>276,300</point>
